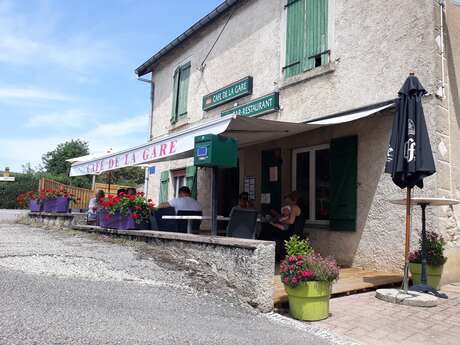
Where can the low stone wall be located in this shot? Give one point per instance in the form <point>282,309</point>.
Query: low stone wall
<point>48,220</point>
<point>232,266</point>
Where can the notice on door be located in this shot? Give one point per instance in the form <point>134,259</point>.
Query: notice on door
<point>273,174</point>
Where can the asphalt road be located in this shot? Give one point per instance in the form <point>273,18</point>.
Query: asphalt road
<point>65,287</point>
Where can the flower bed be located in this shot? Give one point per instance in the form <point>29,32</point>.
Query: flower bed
<point>47,200</point>
<point>125,211</point>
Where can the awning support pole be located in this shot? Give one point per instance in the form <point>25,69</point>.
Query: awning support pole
<point>214,205</point>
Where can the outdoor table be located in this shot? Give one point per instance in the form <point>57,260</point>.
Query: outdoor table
<point>190,217</point>
<point>424,202</point>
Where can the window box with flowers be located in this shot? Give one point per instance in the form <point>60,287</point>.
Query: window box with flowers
<point>30,199</point>
<point>56,200</point>
<point>434,257</point>
<point>307,279</point>
<point>125,211</point>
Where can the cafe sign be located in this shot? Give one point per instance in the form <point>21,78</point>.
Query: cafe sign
<point>228,93</point>
<point>257,107</point>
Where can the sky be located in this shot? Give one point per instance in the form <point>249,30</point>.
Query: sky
<point>67,71</point>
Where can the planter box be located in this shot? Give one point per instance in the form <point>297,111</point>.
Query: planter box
<point>35,206</point>
<point>433,274</point>
<point>56,205</point>
<point>119,221</point>
<point>309,301</point>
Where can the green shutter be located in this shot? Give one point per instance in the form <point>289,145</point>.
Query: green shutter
<point>175,95</point>
<point>183,90</point>
<point>295,37</point>
<point>306,35</point>
<point>191,176</point>
<point>344,170</point>
<point>164,186</point>
<point>317,22</point>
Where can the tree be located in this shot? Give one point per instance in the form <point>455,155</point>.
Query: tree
<point>54,162</point>
<point>130,176</point>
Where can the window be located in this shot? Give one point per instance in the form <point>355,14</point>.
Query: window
<point>311,179</point>
<point>180,92</point>
<point>306,36</point>
<point>164,186</point>
<point>179,180</point>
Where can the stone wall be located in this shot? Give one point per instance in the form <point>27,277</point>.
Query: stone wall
<point>231,266</point>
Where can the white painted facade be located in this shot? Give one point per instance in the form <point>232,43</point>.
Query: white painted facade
<point>374,45</point>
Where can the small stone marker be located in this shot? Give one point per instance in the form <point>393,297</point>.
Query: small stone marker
<point>412,298</point>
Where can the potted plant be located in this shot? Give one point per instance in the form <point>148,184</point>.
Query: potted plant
<point>435,260</point>
<point>56,200</point>
<point>30,199</point>
<point>125,211</point>
<point>307,279</point>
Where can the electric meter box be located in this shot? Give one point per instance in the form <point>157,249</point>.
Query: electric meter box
<point>215,151</point>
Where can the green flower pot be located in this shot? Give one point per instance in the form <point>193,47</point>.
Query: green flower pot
<point>433,274</point>
<point>309,301</point>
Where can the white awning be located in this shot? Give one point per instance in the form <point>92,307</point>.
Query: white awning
<point>246,130</point>
<point>350,115</point>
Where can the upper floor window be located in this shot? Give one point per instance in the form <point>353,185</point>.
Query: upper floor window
<point>306,36</point>
<point>180,92</point>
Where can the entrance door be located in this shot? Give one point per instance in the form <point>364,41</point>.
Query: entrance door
<point>271,180</point>
<point>228,179</point>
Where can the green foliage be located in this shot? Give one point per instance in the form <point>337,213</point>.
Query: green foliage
<point>297,247</point>
<point>129,176</point>
<point>10,190</point>
<point>434,250</point>
<point>54,162</point>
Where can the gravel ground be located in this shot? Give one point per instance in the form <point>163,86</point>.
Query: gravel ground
<point>67,287</point>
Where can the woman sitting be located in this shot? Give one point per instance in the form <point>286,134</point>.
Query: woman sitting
<point>294,225</point>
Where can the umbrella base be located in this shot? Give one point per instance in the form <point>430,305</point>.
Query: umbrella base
<point>412,298</point>
<point>429,290</point>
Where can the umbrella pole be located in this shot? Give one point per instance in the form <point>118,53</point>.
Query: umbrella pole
<point>407,242</point>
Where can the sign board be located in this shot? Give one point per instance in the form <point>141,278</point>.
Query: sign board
<point>260,106</point>
<point>6,178</point>
<point>228,93</point>
<point>152,170</point>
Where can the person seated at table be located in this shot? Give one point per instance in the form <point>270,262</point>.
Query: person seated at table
<point>184,202</point>
<point>243,200</point>
<point>295,222</point>
<point>131,191</point>
<point>121,191</point>
<point>91,215</point>
<point>280,223</point>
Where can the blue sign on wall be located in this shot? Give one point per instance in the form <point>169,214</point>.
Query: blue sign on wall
<point>152,170</point>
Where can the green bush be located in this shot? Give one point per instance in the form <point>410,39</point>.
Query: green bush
<point>297,247</point>
<point>10,190</point>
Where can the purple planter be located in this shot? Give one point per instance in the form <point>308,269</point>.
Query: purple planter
<point>35,205</point>
<point>56,205</point>
<point>118,221</point>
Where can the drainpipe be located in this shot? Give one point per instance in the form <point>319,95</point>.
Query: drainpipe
<point>441,89</point>
<point>152,93</point>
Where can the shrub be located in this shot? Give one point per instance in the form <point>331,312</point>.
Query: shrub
<point>434,250</point>
<point>297,247</point>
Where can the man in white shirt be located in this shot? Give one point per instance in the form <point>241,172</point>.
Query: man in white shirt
<point>184,202</point>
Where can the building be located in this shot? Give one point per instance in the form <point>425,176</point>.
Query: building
<point>333,64</point>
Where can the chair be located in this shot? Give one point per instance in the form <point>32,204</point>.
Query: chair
<point>182,223</point>
<point>242,223</point>
<point>169,225</point>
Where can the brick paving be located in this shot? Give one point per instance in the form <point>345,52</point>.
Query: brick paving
<point>368,320</point>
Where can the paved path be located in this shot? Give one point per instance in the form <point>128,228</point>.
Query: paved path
<point>371,321</point>
<point>66,287</point>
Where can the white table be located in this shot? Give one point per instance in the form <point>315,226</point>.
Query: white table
<point>189,218</point>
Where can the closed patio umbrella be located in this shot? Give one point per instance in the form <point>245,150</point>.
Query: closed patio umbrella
<point>409,157</point>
